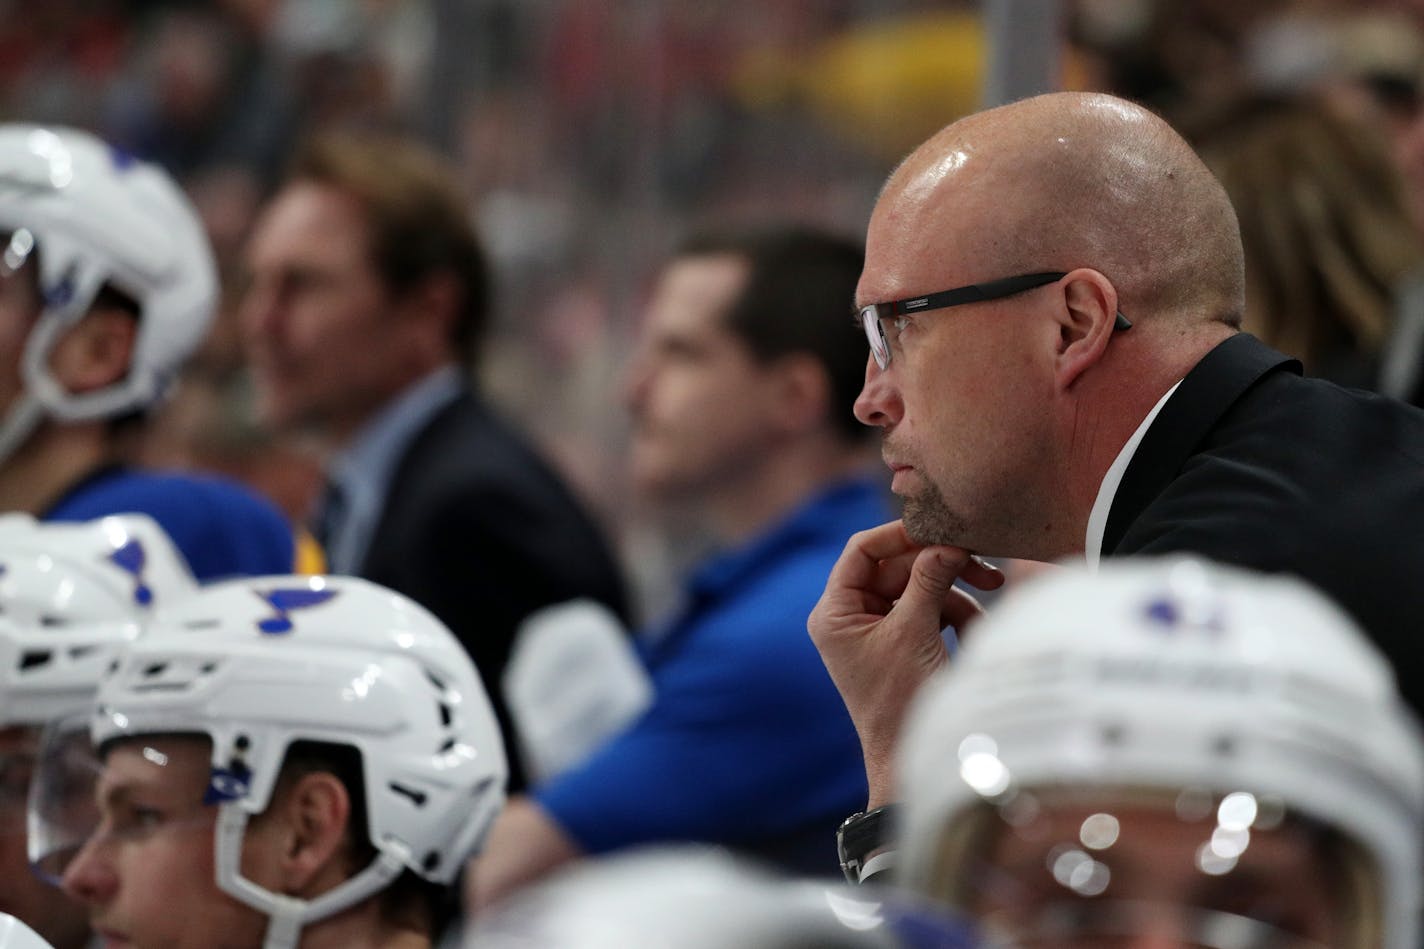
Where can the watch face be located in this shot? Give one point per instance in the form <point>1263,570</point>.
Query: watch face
<point>862,834</point>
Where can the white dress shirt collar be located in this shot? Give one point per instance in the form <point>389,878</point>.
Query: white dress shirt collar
<point>1098,517</point>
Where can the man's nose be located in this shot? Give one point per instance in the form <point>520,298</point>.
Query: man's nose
<point>259,312</point>
<point>634,385</point>
<point>879,401</point>
<point>89,878</point>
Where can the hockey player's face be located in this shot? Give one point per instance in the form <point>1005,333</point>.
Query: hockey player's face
<point>146,875</point>
<point>1116,875</point>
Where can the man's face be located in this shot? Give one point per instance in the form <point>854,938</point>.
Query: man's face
<point>964,405</point>
<point>326,343</point>
<point>22,894</point>
<point>697,397</point>
<point>1140,875</point>
<point>146,875</point>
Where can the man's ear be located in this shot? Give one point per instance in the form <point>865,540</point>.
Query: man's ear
<point>312,816</point>
<point>434,304</point>
<point>802,397</point>
<point>96,352</point>
<point>1085,324</point>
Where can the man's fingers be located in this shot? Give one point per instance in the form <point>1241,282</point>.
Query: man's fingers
<point>860,561</point>
<point>931,578</point>
<point>858,582</point>
<point>981,574</point>
<point>958,609</point>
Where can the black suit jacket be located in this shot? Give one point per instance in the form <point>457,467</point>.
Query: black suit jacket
<point>1249,463</point>
<point>479,530</point>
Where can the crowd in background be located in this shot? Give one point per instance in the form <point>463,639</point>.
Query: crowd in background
<point>591,135</point>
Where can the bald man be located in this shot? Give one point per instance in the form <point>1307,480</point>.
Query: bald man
<point>1052,294</point>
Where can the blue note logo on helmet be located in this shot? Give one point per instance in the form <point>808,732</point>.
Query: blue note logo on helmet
<point>1170,614</point>
<point>130,558</point>
<point>227,784</point>
<point>283,601</point>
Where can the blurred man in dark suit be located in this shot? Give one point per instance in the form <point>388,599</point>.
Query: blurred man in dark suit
<point>368,297</point>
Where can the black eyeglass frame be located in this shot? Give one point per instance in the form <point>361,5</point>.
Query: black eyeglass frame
<point>873,315</point>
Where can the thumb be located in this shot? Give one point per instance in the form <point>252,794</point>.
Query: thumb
<point>933,573</point>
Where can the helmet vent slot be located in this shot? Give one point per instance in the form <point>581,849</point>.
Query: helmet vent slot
<point>79,652</point>
<point>156,668</point>
<point>34,658</point>
<point>445,716</point>
<point>416,797</point>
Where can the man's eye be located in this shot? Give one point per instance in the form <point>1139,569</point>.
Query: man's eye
<point>901,322</point>
<point>138,820</point>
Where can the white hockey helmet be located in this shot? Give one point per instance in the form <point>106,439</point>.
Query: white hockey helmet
<point>1169,675</point>
<point>14,934</point>
<point>96,216</point>
<point>71,594</point>
<point>258,664</point>
<point>704,898</point>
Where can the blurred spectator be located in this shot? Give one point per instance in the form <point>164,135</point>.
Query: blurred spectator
<point>1328,237</point>
<point>202,91</point>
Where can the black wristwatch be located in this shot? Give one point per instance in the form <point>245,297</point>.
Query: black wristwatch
<point>861,834</point>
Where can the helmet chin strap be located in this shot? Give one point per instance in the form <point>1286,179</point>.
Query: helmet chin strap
<point>19,424</point>
<point>288,914</point>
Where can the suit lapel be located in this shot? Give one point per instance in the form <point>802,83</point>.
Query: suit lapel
<point>413,466</point>
<point>1207,392</point>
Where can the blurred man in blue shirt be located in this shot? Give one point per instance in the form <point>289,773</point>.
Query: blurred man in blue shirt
<point>740,394</point>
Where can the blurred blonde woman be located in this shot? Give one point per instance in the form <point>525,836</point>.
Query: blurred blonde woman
<point>1330,246</point>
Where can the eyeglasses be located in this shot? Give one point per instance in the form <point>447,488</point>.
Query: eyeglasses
<point>874,316</point>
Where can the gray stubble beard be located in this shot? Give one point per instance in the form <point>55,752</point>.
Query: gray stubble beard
<point>928,519</point>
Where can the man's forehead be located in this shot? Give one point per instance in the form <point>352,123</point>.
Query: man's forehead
<point>304,210</point>
<point>147,754</point>
<point>689,288</point>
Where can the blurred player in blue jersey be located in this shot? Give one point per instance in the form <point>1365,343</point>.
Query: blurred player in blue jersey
<point>107,284</point>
